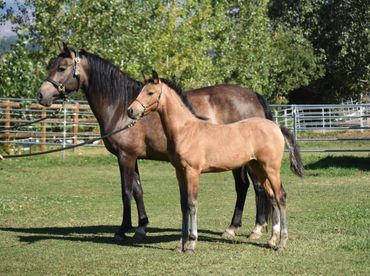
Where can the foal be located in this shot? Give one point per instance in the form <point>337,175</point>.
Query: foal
<point>196,146</point>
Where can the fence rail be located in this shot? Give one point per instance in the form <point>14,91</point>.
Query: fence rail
<point>76,123</point>
<point>335,122</point>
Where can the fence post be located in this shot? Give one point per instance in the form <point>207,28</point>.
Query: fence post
<point>276,117</point>
<point>43,130</point>
<point>75,122</point>
<point>64,129</point>
<point>7,124</point>
<point>286,117</point>
<point>294,114</point>
<point>323,118</point>
<point>362,118</point>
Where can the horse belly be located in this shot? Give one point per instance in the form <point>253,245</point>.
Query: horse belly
<point>226,158</point>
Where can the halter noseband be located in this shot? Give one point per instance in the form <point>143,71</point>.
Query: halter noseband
<point>63,93</point>
<point>153,103</point>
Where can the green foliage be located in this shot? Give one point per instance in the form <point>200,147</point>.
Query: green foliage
<point>274,62</point>
<point>340,31</point>
<point>199,42</point>
<point>6,43</point>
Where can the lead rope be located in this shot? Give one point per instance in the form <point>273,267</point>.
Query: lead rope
<point>6,129</point>
<point>72,146</point>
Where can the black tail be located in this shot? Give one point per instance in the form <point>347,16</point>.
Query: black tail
<point>296,164</point>
<point>266,107</point>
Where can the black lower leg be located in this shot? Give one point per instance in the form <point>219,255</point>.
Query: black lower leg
<point>139,199</point>
<point>127,171</point>
<point>263,205</point>
<point>241,188</point>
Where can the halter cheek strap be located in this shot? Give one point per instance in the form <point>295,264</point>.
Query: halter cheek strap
<point>153,103</point>
<point>61,87</point>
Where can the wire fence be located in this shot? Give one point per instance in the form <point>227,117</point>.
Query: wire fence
<point>75,123</point>
<point>327,123</point>
<point>67,124</point>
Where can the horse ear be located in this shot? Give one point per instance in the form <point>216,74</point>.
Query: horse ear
<point>66,49</point>
<point>145,77</point>
<point>155,77</point>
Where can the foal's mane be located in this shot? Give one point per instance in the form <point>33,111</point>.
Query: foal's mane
<point>180,92</point>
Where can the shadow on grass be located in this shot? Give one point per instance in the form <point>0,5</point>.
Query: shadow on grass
<point>98,234</point>
<point>355,162</point>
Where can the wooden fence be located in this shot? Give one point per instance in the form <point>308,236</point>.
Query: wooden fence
<point>75,123</point>
<point>69,123</point>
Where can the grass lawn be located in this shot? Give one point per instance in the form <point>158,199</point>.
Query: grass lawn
<point>59,216</point>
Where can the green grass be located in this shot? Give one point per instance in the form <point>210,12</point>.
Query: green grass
<point>58,217</point>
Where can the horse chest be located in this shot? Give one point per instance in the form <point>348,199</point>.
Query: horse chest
<point>182,157</point>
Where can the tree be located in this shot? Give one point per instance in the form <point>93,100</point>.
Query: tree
<point>339,31</point>
<point>199,42</point>
<point>272,61</point>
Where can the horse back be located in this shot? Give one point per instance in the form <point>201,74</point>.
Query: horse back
<point>264,137</point>
<point>229,146</point>
<point>226,103</point>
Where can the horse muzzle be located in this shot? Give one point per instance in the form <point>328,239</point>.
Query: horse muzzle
<point>135,113</point>
<point>47,94</point>
<point>44,101</point>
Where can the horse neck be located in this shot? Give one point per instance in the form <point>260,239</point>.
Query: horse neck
<point>174,114</point>
<point>109,92</point>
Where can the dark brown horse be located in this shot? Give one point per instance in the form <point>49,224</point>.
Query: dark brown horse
<point>110,91</point>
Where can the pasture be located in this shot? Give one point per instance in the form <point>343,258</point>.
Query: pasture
<point>59,216</point>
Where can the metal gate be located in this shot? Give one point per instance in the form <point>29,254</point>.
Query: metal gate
<point>312,125</point>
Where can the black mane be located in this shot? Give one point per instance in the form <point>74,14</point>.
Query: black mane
<point>180,92</point>
<point>109,82</point>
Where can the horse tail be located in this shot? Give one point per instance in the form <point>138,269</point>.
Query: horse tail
<point>266,106</point>
<point>296,164</point>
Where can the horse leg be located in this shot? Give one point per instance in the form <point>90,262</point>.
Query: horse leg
<point>275,234</point>
<point>180,247</point>
<point>283,220</point>
<point>192,179</point>
<point>264,178</point>
<point>263,207</point>
<point>140,231</point>
<point>127,171</point>
<point>279,219</point>
<point>241,188</point>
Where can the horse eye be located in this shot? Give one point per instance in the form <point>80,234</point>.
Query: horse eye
<point>61,69</point>
<point>150,93</point>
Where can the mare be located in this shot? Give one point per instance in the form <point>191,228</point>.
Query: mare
<point>109,91</point>
<point>196,146</point>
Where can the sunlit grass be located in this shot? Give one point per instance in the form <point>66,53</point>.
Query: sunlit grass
<point>58,216</point>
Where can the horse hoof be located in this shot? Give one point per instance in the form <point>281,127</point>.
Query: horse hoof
<point>189,252</point>
<point>255,236</point>
<point>272,244</point>
<point>178,249</point>
<point>228,234</point>
<point>118,238</point>
<point>280,249</point>
<point>140,234</point>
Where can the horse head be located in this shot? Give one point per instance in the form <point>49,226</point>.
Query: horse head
<point>66,75</point>
<point>148,99</point>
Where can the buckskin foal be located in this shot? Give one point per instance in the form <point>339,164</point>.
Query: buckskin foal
<point>197,146</point>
